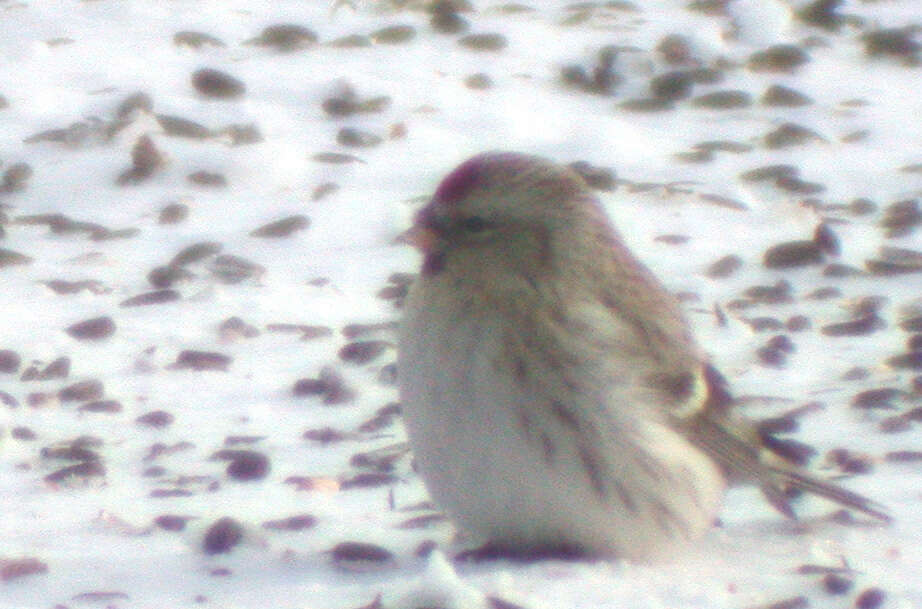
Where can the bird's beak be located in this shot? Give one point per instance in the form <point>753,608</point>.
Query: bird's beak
<point>420,237</point>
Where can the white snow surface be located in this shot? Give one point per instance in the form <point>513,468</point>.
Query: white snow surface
<point>62,62</point>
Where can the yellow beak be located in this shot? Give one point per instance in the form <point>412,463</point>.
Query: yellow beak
<point>419,237</point>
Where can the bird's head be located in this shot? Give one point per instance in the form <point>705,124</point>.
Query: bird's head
<point>499,213</point>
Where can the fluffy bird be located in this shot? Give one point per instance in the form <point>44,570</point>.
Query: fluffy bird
<point>553,394</point>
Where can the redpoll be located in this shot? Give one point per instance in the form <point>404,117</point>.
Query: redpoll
<point>553,394</point>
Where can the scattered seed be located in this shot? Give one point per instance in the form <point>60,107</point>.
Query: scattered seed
<point>724,267</point>
<point>151,298</point>
<point>286,37</point>
<point>769,172</point>
<point>483,42</point>
<point>376,423</point>
<point>394,34</point>
<point>62,286</point>
<point>723,100</point>
<point>791,134</point>
<point>70,451</point>
<point>322,190</point>
<point>292,523</point>
<point>196,40</point>
<point>837,269</point>
<point>103,596</point>
<point>234,269</point>
<point>676,49</point>
<point>359,556</point>
<point>781,96</point>
<point>324,435</point>
<point>857,373</point>
<point>599,178</point>
<point>857,327</point>
<point>445,17</point>
<point>494,602</point>
<point>368,480</point>
<point>196,252</point>
<point>146,159</point>
<point>771,357</point>
<point>169,493</point>
<point>59,368</point>
<point>178,126</point>
<point>16,177</point>
<point>356,138</point>
<point>217,84</point>
<point>902,217</point>
<point>764,324</point>
<point>244,464</point>
<point>651,104</point>
<point>851,462</point>
<point>911,360</point>
<point>673,85</point>
<point>202,360</point>
<point>722,201</point>
<point>330,385</point>
<point>894,424</point>
<point>235,327</point>
<point>336,158</point>
<point>282,228</point>
<point>362,352</point>
<point>243,134</point>
<point>222,536</point>
<point>85,470</point>
<point>896,42</point>
<point>478,81</point>
<point>40,399</point>
<point>837,584</point>
<point>355,330</point>
<point>422,522</point>
<point>353,41</point>
<point>904,456</point>
<point>165,276</point>
<point>10,258</point>
<point>778,58</point>
<point>23,434</point>
<point>170,522</point>
<point>83,391</point>
<point>723,146</point>
<point>155,418</point>
<point>307,332</point>
<point>792,254</point>
<point>870,598</point>
<point>92,329</point>
<point>104,406</point>
<point>797,602</point>
<point>135,103</point>
<point>207,178</point>
<point>14,568</point>
<point>9,361</point>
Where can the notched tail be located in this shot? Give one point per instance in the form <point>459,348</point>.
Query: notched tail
<point>811,484</point>
<point>741,450</point>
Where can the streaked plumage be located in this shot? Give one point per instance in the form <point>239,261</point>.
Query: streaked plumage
<point>553,394</point>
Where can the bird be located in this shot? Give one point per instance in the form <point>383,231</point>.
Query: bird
<point>553,394</point>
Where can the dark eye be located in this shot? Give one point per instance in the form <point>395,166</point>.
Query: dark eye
<point>474,224</point>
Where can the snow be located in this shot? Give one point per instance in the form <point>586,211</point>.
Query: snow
<point>97,538</point>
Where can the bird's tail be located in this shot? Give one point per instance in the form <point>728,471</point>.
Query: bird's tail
<point>749,454</point>
<point>784,477</point>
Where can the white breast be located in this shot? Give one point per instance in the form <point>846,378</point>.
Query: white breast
<point>514,469</point>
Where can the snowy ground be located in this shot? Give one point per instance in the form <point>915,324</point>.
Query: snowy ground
<point>97,207</point>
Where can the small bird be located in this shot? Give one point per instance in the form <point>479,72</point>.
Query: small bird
<point>553,394</point>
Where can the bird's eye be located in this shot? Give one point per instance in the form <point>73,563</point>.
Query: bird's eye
<point>474,224</point>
